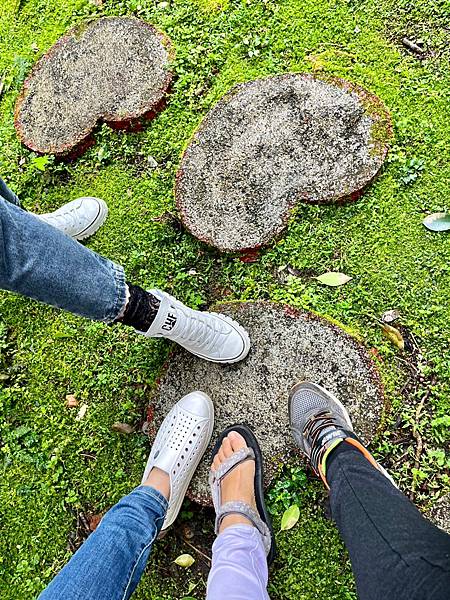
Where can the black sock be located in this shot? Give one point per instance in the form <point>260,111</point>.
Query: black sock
<point>141,309</point>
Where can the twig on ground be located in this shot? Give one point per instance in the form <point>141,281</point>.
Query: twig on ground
<point>2,84</point>
<point>197,550</point>
<point>416,435</point>
<point>412,46</point>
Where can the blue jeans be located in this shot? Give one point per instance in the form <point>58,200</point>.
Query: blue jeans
<point>40,262</point>
<point>110,563</point>
<point>395,552</point>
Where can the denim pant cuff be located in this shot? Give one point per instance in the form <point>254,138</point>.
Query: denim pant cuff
<point>155,495</point>
<point>121,293</point>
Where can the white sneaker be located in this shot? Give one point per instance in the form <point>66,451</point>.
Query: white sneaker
<point>179,446</point>
<point>209,335</point>
<point>78,219</point>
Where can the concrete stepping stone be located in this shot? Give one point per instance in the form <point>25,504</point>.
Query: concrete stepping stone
<point>287,346</point>
<point>113,69</point>
<point>270,143</point>
<point>439,514</point>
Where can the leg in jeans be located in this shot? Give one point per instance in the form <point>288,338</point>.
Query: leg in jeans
<point>110,563</point>
<point>7,194</point>
<point>239,565</point>
<point>395,552</point>
<point>40,262</point>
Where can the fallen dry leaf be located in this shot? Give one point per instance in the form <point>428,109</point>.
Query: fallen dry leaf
<point>394,335</point>
<point>82,412</point>
<point>390,316</point>
<point>122,428</point>
<point>184,560</point>
<point>94,521</point>
<point>437,222</point>
<point>333,278</point>
<point>71,401</point>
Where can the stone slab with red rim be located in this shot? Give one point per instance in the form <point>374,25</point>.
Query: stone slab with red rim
<point>287,346</point>
<point>113,70</point>
<point>270,143</point>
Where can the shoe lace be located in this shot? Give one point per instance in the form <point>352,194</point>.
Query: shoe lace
<point>201,330</point>
<point>64,220</point>
<point>314,427</point>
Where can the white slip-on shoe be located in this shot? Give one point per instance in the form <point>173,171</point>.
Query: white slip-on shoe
<point>78,219</point>
<point>208,335</point>
<point>179,446</point>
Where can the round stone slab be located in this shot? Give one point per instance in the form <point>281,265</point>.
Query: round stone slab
<point>440,513</point>
<point>287,346</point>
<point>270,143</point>
<point>113,69</point>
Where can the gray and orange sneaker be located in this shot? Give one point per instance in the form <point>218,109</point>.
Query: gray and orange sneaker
<point>319,423</point>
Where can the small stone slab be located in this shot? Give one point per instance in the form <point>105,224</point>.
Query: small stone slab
<point>440,513</point>
<point>287,346</point>
<point>270,143</point>
<point>113,69</point>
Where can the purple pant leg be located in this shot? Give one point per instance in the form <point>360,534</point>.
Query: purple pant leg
<point>239,566</point>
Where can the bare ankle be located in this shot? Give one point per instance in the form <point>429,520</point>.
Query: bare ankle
<point>159,480</point>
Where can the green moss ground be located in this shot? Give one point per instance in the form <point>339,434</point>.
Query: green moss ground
<point>395,263</point>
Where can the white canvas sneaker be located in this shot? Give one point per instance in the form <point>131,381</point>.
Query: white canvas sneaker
<point>78,219</point>
<point>179,446</point>
<point>208,335</point>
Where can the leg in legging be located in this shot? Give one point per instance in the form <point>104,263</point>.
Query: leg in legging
<point>395,552</point>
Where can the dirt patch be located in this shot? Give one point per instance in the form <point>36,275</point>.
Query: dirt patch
<point>271,143</point>
<point>113,69</point>
<point>287,346</point>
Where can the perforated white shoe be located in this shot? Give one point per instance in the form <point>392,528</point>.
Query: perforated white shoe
<point>78,219</point>
<point>179,446</point>
<point>209,335</point>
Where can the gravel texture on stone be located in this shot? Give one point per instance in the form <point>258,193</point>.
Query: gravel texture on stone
<point>440,513</point>
<point>114,69</point>
<point>287,346</point>
<point>270,143</point>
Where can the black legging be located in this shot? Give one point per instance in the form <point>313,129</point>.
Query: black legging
<point>396,553</point>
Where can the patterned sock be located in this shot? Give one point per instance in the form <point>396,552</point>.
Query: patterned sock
<point>141,310</point>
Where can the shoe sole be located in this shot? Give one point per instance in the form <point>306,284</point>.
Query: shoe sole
<point>243,334</point>
<point>192,469</point>
<point>96,223</point>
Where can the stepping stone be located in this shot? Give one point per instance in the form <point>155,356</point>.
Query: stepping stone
<point>113,69</point>
<point>287,346</point>
<point>270,143</point>
<point>440,513</point>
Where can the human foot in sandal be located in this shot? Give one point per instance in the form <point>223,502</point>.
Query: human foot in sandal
<point>236,480</point>
<point>178,448</point>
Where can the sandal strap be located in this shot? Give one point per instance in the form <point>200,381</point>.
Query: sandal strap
<point>241,508</point>
<point>235,459</point>
<point>215,477</point>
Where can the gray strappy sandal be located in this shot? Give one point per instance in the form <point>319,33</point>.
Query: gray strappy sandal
<point>260,518</point>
